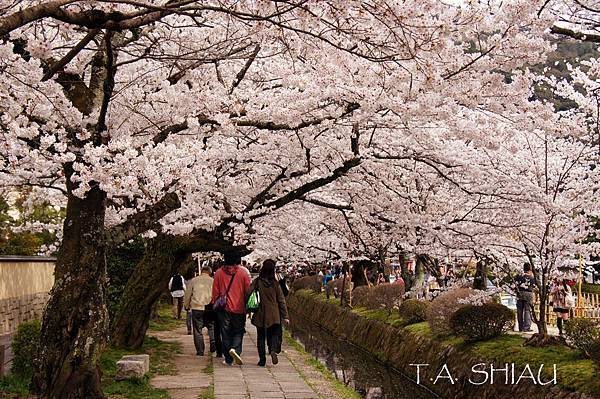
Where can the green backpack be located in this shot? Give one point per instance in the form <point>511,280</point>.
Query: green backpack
<point>253,302</point>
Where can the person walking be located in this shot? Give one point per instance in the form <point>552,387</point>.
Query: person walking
<point>229,290</point>
<point>561,299</point>
<point>188,311</point>
<point>328,282</point>
<point>272,313</point>
<point>177,288</point>
<point>524,289</point>
<point>197,296</point>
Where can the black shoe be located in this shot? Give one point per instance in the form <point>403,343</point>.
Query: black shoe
<point>189,333</point>
<point>274,358</point>
<point>199,354</point>
<point>262,363</point>
<point>219,355</point>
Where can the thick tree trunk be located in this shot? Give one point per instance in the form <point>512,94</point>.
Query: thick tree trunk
<point>75,320</point>
<point>164,255</point>
<point>148,282</point>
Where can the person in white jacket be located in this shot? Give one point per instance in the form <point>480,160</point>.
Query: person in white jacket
<point>197,296</point>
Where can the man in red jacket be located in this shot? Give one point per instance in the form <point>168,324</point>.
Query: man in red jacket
<point>232,319</point>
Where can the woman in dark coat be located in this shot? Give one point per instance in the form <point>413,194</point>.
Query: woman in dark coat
<point>271,313</point>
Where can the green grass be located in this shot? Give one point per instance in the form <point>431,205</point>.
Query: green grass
<point>574,373</point>
<point>208,393</point>
<point>162,362</point>
<point>210,369</point>
<point>14,386</point>
<point>340,387</point>
<point>165,320</point>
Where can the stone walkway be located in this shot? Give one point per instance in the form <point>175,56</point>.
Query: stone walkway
<point>253,382</point>
<point>231,382</point>
<point>191,380</point>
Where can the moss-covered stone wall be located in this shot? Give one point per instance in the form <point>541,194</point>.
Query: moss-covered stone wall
<point>400,347</point>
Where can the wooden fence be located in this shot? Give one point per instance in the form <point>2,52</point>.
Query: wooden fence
<point>589,307</point>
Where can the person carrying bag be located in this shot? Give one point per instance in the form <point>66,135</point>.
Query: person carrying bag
<point>229,290</point>
<point>271,312</point>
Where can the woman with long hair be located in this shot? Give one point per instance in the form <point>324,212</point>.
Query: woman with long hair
<point>561,299</point>
<point>272,312</point>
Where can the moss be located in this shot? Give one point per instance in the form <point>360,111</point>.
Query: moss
<point>574,373</point>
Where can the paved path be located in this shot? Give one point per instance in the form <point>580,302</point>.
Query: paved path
<point>231,382</point>
<point>191,380</point>
<point>252,382</point>
<point>552,330</point>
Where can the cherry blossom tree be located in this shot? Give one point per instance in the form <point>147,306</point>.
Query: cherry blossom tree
<point>195,119</point>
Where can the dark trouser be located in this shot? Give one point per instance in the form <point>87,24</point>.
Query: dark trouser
<point>177,306</point>
<point>199,323</point>
<point>524,304</point>
<point>218,342</point>
<point>273,336</point>
<point>232,332</point>
<point>188,321</point>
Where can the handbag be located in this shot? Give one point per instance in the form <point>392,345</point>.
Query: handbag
<point>253,303</point>
<point>569,300</point>
<point>221,301</point>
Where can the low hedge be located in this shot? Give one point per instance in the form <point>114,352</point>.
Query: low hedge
<point>480,323</point>
<point>313,283</point>
<point>24,346</point>
<point>413,311</point>
<point>584,334</point>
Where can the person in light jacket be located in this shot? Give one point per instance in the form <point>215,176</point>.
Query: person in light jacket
<point>197,296</point>
<point>561,300</point>
<point>272,313</point>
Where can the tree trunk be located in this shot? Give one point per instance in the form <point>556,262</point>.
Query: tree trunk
<point>164,255</point>
<point>148,282</point>
<point>75,320</point>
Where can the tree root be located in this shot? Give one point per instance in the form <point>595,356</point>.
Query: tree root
<point>543,340</point>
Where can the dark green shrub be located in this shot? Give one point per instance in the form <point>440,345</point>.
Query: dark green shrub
<point>595,352</point>
<point>583,333</point>
<point>24,346</point>
<point>480,323</point>
<point>413,311</point>
<point>443,306</point>
<point>313,283</point>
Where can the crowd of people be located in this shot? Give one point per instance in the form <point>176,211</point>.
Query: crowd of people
<point>217,300</point>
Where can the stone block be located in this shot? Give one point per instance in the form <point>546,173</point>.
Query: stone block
<point>375,393</point>
<point>127,369</point>
<point>142,358</point>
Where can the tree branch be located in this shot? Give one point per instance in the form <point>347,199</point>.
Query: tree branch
<point>57,66</point>
<point>142,221</point>
<point>583,36</point>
